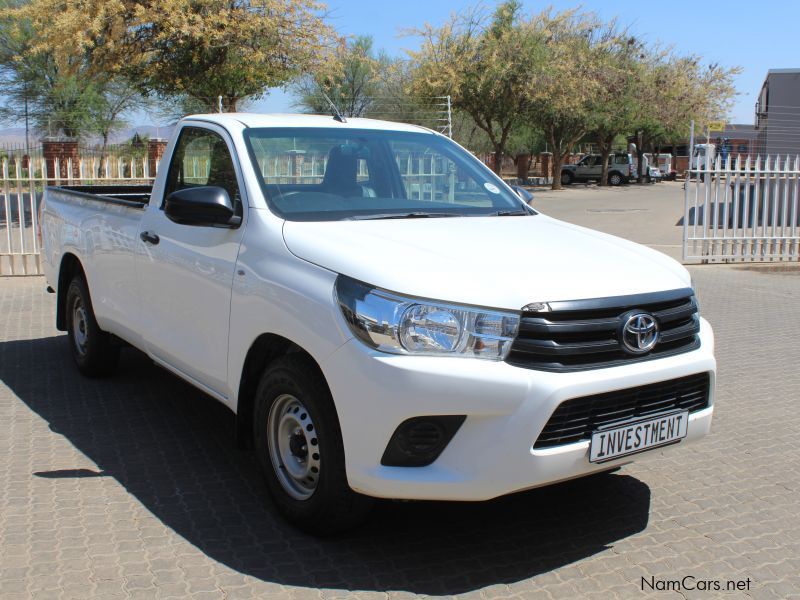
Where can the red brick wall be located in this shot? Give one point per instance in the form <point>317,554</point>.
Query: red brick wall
<point>155,150</point>
<point>61,150</point>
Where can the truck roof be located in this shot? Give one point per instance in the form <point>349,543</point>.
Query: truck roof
<point>247,120</point>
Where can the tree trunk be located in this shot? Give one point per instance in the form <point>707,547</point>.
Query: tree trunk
<point>558,160</point>
<point>498,159</point>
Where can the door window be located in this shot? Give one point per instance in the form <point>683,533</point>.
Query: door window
<point>202,158</point>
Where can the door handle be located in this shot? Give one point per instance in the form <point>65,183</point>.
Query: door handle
<point>150,238</point>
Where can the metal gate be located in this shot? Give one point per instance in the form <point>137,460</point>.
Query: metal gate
<point>23,183</point>
<point>745,210</point>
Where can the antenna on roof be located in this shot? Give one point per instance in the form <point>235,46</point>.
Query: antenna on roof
<point>337,115</point>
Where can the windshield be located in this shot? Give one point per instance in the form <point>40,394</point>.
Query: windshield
<point>324,174</point>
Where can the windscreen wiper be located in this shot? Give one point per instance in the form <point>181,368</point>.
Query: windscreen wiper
<point>508,213</point>
<point>409,215</point>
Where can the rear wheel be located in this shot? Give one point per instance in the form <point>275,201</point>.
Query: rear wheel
<point>566,178</point>
<point>299,446</point>
<point>614,179</point>
<point>94,351</point>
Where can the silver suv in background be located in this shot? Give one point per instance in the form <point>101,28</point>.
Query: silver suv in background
<point>590,168</point>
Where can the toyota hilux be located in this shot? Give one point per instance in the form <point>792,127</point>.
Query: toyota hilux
<point>385,317</point>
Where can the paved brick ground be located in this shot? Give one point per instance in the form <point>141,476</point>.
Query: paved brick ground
<point>648,214</point>
<point>131,487</point>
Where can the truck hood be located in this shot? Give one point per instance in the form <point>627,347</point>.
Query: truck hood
<point>500,262</point>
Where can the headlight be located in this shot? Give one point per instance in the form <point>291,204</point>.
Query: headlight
<point>393,323</point>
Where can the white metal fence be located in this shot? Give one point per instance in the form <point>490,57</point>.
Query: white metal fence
<point>743,211</point>
<point>23,183</point>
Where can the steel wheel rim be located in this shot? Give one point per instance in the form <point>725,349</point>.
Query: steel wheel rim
<point>293,446</point>
<point>80,330</point>
<point>615,179</point>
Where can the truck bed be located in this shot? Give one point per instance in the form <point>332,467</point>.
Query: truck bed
<point>136,196</point>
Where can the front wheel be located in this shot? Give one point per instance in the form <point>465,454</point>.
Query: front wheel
<point>299,446</point>
<point>566,178</point>
<point>615,179</point>
<point>94,351</point>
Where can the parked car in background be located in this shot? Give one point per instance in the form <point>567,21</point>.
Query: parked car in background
<point>384,316</point>
<point>590,168</point>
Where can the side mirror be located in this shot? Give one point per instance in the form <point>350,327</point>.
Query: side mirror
<point>526,196</point>
<point>206,205</point>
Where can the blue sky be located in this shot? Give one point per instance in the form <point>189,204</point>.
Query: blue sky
<point>755,36</point>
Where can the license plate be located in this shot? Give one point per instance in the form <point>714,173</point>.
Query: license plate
<point>636,437</point>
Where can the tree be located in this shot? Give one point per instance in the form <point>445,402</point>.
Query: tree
<point>352,81</point>
<point>56,95</point>
<point>201,49</point>
<point>565,88</point>
<point>118,96</point>
<point>61,93</point>
<point>673,91</point>
<point>614,107</point>
<point>484,65</point>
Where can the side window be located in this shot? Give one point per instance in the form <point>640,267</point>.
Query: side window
<point>202,158</point>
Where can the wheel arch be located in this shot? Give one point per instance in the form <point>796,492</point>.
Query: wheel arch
<point>69,267</point>
<point>264,350</point>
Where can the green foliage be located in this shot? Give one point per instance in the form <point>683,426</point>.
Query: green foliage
<point>201,49</point>
<point>352,81</point>
<point>59,98</point>
<point>62,94</point>
<point>564,76</point>
<point>484,64</point>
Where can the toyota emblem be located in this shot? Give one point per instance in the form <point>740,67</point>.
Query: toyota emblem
<point>639,332</point>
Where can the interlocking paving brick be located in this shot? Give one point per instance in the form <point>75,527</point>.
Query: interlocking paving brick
<point>132,486</point>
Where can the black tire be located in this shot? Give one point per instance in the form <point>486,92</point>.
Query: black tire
<point>95,352</point>
<point>567,178</point>
<point>615,179</point>
<point>331,506</point>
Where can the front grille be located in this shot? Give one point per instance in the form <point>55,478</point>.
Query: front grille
<point>584,334</point>
<point>575,420</point>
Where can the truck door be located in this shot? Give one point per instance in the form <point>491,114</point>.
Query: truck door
<point>185,272</point>
<point>594,167</point>
<point>583,167</point>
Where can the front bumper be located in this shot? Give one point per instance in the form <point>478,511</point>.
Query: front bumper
<point>506,407</point>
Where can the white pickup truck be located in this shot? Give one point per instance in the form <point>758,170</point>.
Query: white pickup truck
<point>385,316</point>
